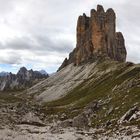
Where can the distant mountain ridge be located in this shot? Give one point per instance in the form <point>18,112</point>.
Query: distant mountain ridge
<point>3,73</point>
<point>22,80</point>
<point>43,72</point>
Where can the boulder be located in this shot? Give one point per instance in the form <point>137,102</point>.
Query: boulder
<point>31,119</point>
<point>129,115</point>
<point>83,120</point>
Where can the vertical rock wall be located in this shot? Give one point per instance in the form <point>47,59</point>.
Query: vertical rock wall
<point>97,36</point>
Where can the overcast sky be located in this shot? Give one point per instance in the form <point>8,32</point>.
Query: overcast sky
<point>39,34</point>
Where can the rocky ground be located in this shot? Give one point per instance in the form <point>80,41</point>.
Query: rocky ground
<point>32,132</point>
<point>28,132</point>
<point>26,120</point>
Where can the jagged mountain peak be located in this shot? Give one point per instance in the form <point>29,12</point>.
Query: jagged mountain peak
<point>22,70</point>
<point>43,72</point>
<point>97,37</point>
<point>22,80</point>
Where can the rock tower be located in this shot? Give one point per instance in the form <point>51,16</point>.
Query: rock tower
<point>97,36</point>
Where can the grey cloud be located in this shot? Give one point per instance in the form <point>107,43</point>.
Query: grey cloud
<point>11,58</point>
<point>5,5</point>
<point>38,43</point>
<point>54,45</point>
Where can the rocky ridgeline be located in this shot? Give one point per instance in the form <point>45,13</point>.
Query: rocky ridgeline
<point>22,80</point>
<point>97,36</point>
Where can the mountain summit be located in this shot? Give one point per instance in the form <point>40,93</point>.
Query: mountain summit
<point>97,37</point>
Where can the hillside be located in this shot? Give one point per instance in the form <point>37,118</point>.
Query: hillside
<point>114,86</point>
<point>94,87</point>
<point>106,91</point>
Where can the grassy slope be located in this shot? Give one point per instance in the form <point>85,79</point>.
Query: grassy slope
<point>97,87</point>
<point>12,97</point>
<point>9,97</point>
<point>101,88</point>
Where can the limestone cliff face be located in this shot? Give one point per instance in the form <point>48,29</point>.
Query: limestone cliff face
<point>97,36</point>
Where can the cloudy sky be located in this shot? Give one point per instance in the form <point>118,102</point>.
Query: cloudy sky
<point>39,34</point>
